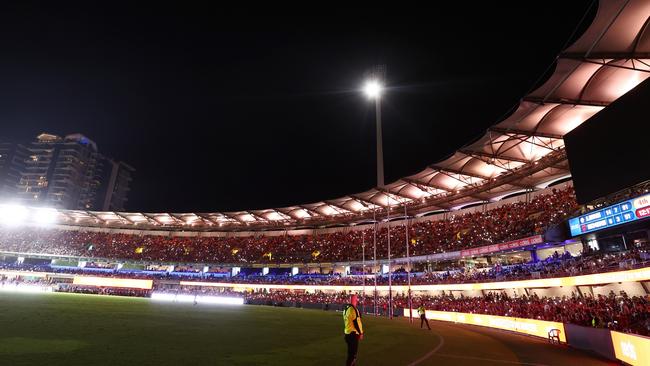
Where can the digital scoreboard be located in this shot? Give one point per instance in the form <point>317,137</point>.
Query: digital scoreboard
<point>620,213</point>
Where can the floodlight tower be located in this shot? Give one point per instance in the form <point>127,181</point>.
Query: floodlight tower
<point>373,89</point>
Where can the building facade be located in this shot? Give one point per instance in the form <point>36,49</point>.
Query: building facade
<point>12,165</point>
<point>62,172</point>
<point>115,178</point>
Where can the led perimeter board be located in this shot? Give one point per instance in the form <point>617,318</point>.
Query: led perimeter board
<point>620,213</point>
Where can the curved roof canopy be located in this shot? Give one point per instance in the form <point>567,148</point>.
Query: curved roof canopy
<point>524,151</point>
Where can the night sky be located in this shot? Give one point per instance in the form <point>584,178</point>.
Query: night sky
<point>231,109</point>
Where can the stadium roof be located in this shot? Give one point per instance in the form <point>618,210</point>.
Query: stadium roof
<point>522,152</point>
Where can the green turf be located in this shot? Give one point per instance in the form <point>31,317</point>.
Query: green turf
<point>69,329</point>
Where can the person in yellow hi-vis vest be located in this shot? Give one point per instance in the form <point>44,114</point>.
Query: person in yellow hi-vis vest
<point>423,316</point>
<point>353,330</point>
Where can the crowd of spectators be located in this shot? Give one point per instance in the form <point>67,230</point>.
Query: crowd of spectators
<point>563,265</point>
<point>506,222</point>
<point>196,291</point>
<point>556,265</point>
<point>99,290</point>
<point>13,283</point>
<point>617,312</point>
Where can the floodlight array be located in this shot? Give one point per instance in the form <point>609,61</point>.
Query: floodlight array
<point>199,299</point>
<point>15,215</point>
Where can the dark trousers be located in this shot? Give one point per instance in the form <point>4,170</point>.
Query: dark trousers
<point>352,341</point>
<point>423,319</point>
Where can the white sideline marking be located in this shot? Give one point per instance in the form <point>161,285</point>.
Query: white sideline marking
<point>430,353</point>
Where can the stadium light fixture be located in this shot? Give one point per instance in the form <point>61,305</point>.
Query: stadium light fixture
<point>185,298</point>
<point>181,298</point>
<point>220,300</point>
<point>12,214</point>
<point>31,289</point>
<point>372,89</point>
<point>163,296</point>
<point>44,216</point>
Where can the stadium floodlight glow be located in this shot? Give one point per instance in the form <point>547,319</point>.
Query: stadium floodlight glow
<point>112,282</point>
<point>185,298</point>
<point>372,89</point>
<point>163,296</point>
<point>28,289</point>
<point>12,214</point>
<point>218,300</point>
<point>44,216</point>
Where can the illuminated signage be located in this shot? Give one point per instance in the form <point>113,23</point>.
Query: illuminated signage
<point>515,244</point>
<point>112,282</point>
<point>537,328</point>
<point>634,275</point>
<point>631,349</point>
<point>620,213</point>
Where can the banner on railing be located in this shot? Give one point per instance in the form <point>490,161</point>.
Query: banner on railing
<point>515,244</point>
<point>631,349</point>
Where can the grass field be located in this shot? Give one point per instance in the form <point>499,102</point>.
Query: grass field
<point>69,329</point>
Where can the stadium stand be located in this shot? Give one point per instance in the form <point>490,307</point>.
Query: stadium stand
<point>552,267</point>
<point>524,152</point>
<point>616,312</point>
<point>630,314</point>
<point>509,221</point>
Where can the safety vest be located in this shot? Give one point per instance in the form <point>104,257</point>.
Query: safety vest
<point>352,320</point>
<point>421,311</point>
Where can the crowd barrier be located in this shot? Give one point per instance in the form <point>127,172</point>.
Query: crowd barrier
<point>597,340</point>
<point>628,348</point>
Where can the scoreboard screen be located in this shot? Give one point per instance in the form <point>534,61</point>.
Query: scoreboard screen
<point>590,153</point>
<point>620,213</point>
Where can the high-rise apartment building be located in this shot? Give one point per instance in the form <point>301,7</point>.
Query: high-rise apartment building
<point>12,165</point>
<point>115,181</point>
<point>64,172</point>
